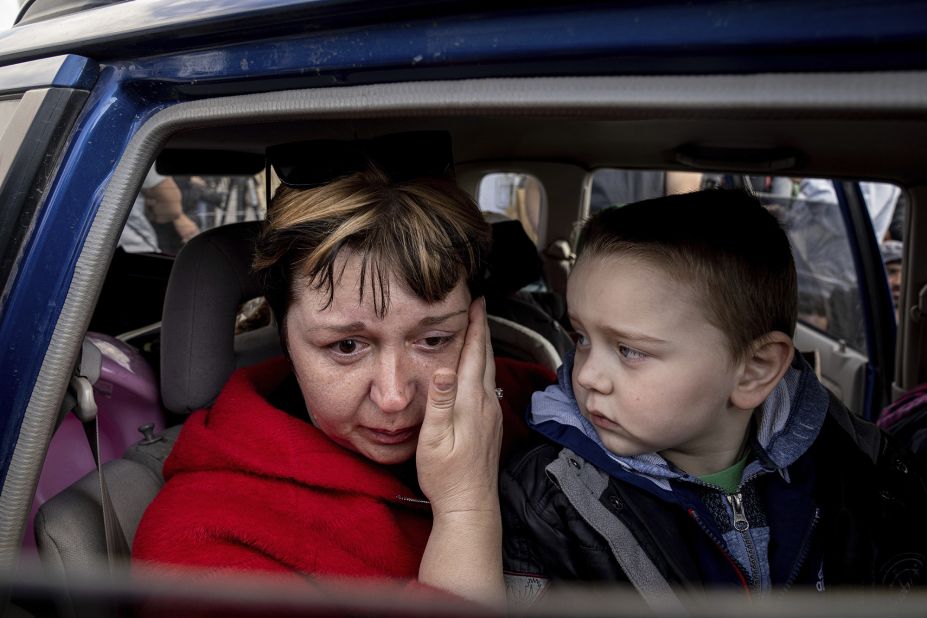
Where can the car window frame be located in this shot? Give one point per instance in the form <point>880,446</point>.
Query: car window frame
<point>875,297</point>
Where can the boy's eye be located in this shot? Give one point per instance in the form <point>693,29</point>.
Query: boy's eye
<point>630,353</point>
<point>580,339</point>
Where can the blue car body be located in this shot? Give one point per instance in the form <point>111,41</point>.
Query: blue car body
<point>115,67</point>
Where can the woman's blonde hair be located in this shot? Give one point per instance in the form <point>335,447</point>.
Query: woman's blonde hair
<point>426,232</point>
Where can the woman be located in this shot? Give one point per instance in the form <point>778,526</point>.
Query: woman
<point>378,455</point>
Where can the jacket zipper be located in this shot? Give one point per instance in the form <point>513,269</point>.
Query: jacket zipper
<point>744,580</point>
<point>420,501</point>
<point>805,548</point>
<point>742,525</point>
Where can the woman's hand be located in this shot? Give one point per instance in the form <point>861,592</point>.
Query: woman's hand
<point>458,446</point>
<point>458,470</point>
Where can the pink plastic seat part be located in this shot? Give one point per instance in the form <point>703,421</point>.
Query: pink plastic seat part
<point>127,397</point>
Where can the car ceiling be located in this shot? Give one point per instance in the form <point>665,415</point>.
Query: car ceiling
<point>892,149</point>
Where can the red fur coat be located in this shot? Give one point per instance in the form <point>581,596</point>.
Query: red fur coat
<point>249,487</point>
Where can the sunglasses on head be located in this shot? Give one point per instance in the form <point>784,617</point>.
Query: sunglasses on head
<point>401,156</point>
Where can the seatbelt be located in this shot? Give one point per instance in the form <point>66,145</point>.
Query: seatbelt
<point>85,375</point>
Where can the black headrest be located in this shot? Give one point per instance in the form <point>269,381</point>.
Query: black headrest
<point>514,261</point>
<point>210,279</point>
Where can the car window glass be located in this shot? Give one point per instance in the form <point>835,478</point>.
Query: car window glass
<point>169,210</point>
<point>614,187</point>
<point>828,289</point>
<point>513,196</point>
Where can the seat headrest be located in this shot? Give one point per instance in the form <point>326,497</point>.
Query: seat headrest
<point>210,279</point>
<point>514,261</point>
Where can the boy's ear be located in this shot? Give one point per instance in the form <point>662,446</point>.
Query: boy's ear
<point>767,361</point>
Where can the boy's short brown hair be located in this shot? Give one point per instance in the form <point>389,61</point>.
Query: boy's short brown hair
<point>427,232</point>
<point>730,249</point>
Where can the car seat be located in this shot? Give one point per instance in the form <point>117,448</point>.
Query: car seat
<point>524,324</point>
<point>558,261</point>
<point>210,280</point>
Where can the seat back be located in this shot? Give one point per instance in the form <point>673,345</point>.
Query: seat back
<point>521,343</point>
<point>210,280</point>
<point>558,261</point>
<point>514,265</point>
<point>69,527</point>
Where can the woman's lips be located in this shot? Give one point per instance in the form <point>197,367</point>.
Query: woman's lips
<point>392,436</point>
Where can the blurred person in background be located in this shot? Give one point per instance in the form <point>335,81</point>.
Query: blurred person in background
<point>891,256</point>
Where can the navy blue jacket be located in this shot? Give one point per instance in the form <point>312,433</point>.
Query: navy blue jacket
<point>826,499</point>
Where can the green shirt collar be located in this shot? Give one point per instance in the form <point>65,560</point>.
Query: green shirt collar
<point>729,478</point>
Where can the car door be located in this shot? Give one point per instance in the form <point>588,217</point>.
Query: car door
<point>39,102</point>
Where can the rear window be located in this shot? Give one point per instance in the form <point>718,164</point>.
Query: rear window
<point>615,187</point>
<point>505,195</point>
<point>169,210</point>
<point>828,289</point>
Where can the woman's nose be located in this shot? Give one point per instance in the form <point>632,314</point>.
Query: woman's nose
<point>393,385</point>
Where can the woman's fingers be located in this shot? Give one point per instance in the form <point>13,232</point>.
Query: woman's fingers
<point>489,371</point>
<point>472,365</point>
<point>458,448</point>
<point>438,424</point>
<point>477,366</point>
<point>476,370</point>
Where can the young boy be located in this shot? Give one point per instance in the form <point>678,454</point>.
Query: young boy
<point>687,445</point>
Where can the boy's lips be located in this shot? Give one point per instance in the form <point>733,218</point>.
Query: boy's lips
<point>600,421</point>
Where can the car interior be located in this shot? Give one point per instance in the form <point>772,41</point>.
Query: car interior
<point>164,327</point>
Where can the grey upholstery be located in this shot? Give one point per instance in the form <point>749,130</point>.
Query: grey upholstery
<point>514,264</point>
<point>210,279</point>
<point>69,527</point>
<point>151,454</point>
<point>514,340</point>
<point>256,345</point>
<point>558,261</point>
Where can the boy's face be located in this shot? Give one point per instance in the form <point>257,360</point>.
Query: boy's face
<point>651,373</point>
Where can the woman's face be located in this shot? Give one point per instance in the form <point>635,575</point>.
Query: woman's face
<point>365,378</point>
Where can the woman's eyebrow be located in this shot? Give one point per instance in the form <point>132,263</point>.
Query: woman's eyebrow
<point>437,319</point>
<point>353,327</point>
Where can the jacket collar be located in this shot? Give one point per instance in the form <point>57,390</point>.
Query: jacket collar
<point>244,434</point>
<point>787,423</point>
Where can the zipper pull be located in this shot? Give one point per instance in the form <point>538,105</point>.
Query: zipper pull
<point>737,505</point>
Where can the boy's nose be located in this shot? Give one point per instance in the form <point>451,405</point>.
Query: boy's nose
<point>588,376</point>
<point>393,386</point>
